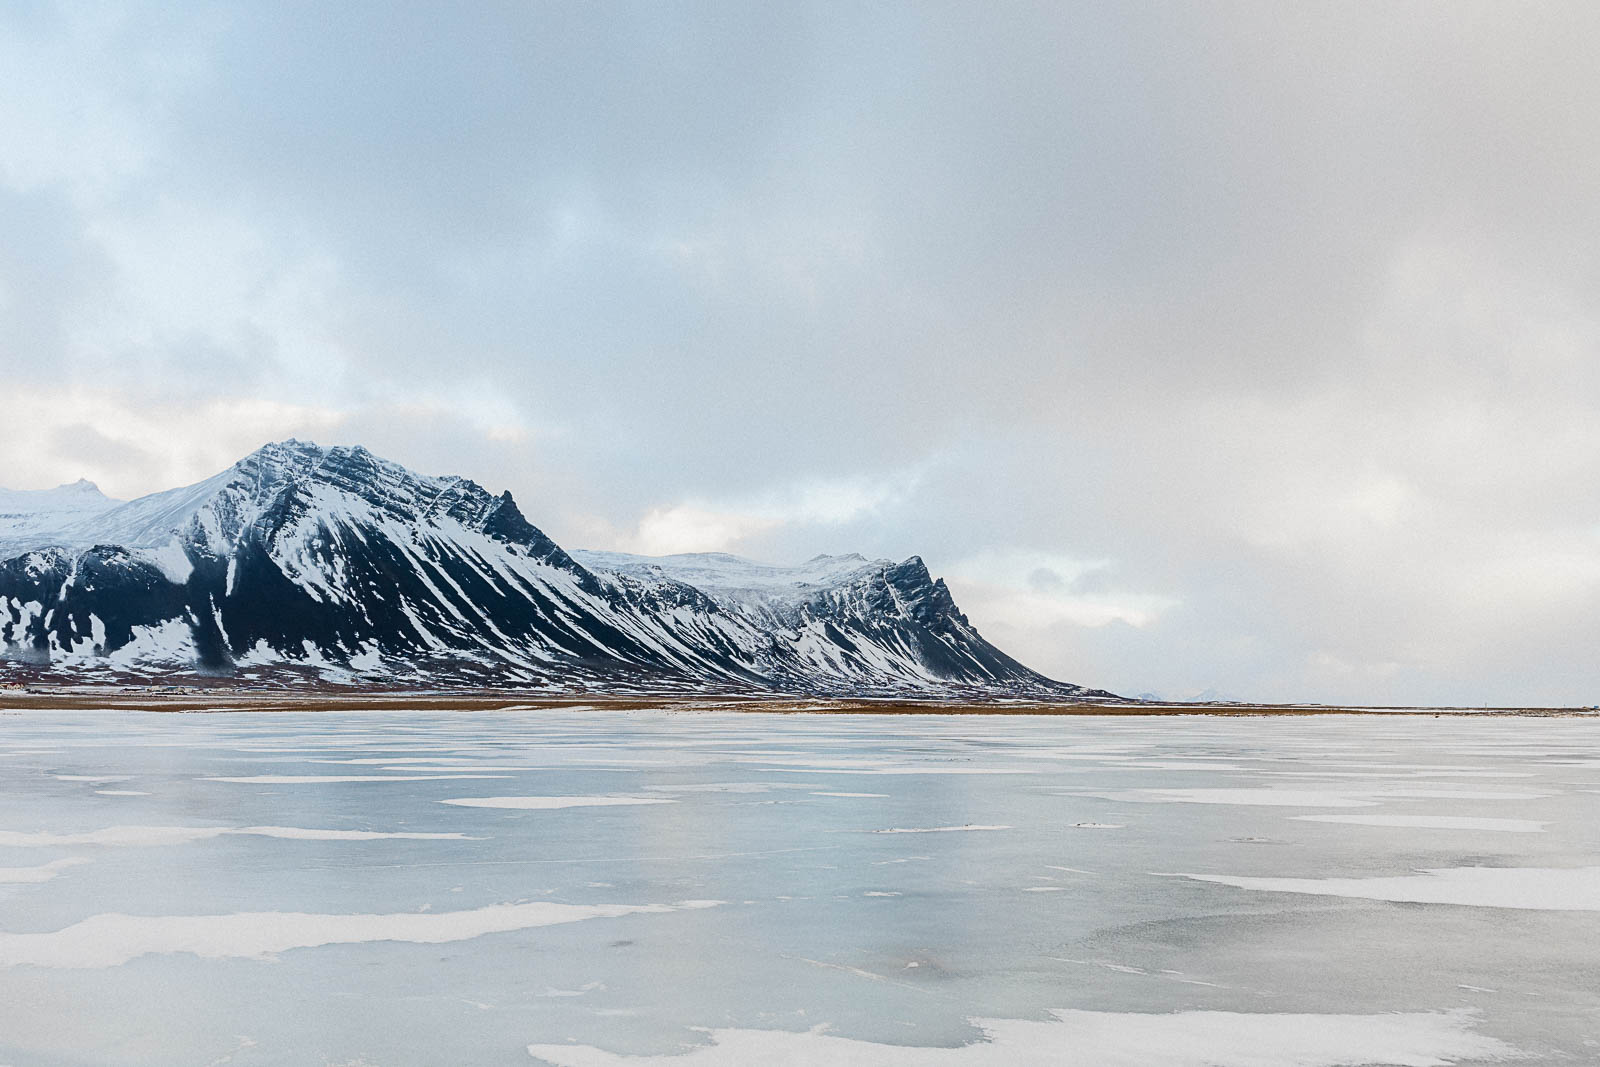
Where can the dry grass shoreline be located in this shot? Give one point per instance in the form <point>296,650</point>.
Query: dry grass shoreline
<point>84,698</point>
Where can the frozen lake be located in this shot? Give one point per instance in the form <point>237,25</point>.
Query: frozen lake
<point>595,888</point>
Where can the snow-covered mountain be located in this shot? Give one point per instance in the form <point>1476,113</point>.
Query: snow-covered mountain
<point>29,516</point>
<point>304,561</point>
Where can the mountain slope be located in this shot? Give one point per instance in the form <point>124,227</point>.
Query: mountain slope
<point>336,563</point>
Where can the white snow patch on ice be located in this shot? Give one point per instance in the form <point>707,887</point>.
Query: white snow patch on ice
<point>42,873</point>
<point>587,987</point>
<point>724,787</point>
<point>1449,794</point>
<point>298,833</point>
<point>1399,774</point>
<point>179,835</point>
<point>1432,822</point>
<point>321,779</point>
<point>113,939</point>
<point>546,803</point>
<point>910,769</point>
<point>1102,1039</point>
<point>1287,798</point>
<point>1532,888</point>
<point>937,829</point>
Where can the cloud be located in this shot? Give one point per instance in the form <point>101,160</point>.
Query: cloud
<point>1037,590</point>
<point>686,528</point>
<point>696,527</point>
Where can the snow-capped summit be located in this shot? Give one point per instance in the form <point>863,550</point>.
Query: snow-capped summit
<point>338,562</point>
<point>219,508</point>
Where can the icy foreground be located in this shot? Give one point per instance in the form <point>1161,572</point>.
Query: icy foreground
<point>586,888</point>
<point>333,564</point>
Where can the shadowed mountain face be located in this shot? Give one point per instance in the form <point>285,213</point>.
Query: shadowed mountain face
<point>335,562</point>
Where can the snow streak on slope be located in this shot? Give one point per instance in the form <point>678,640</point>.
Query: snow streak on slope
<point>338,561</point>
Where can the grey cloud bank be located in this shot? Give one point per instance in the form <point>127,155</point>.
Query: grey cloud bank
<point>1199,346</point>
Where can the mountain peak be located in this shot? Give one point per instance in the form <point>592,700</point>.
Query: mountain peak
<point>289,446</point>
<point>848,557</point>
<point>82,486</point>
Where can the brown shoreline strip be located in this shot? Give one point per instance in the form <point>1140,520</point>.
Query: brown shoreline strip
<point>84,698</point>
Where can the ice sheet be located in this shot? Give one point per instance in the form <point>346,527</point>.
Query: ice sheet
<point>895,940</point>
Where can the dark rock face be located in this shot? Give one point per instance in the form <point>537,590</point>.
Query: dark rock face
<point>337,560</point>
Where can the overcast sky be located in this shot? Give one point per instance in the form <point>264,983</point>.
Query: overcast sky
<point>1249,347</point>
